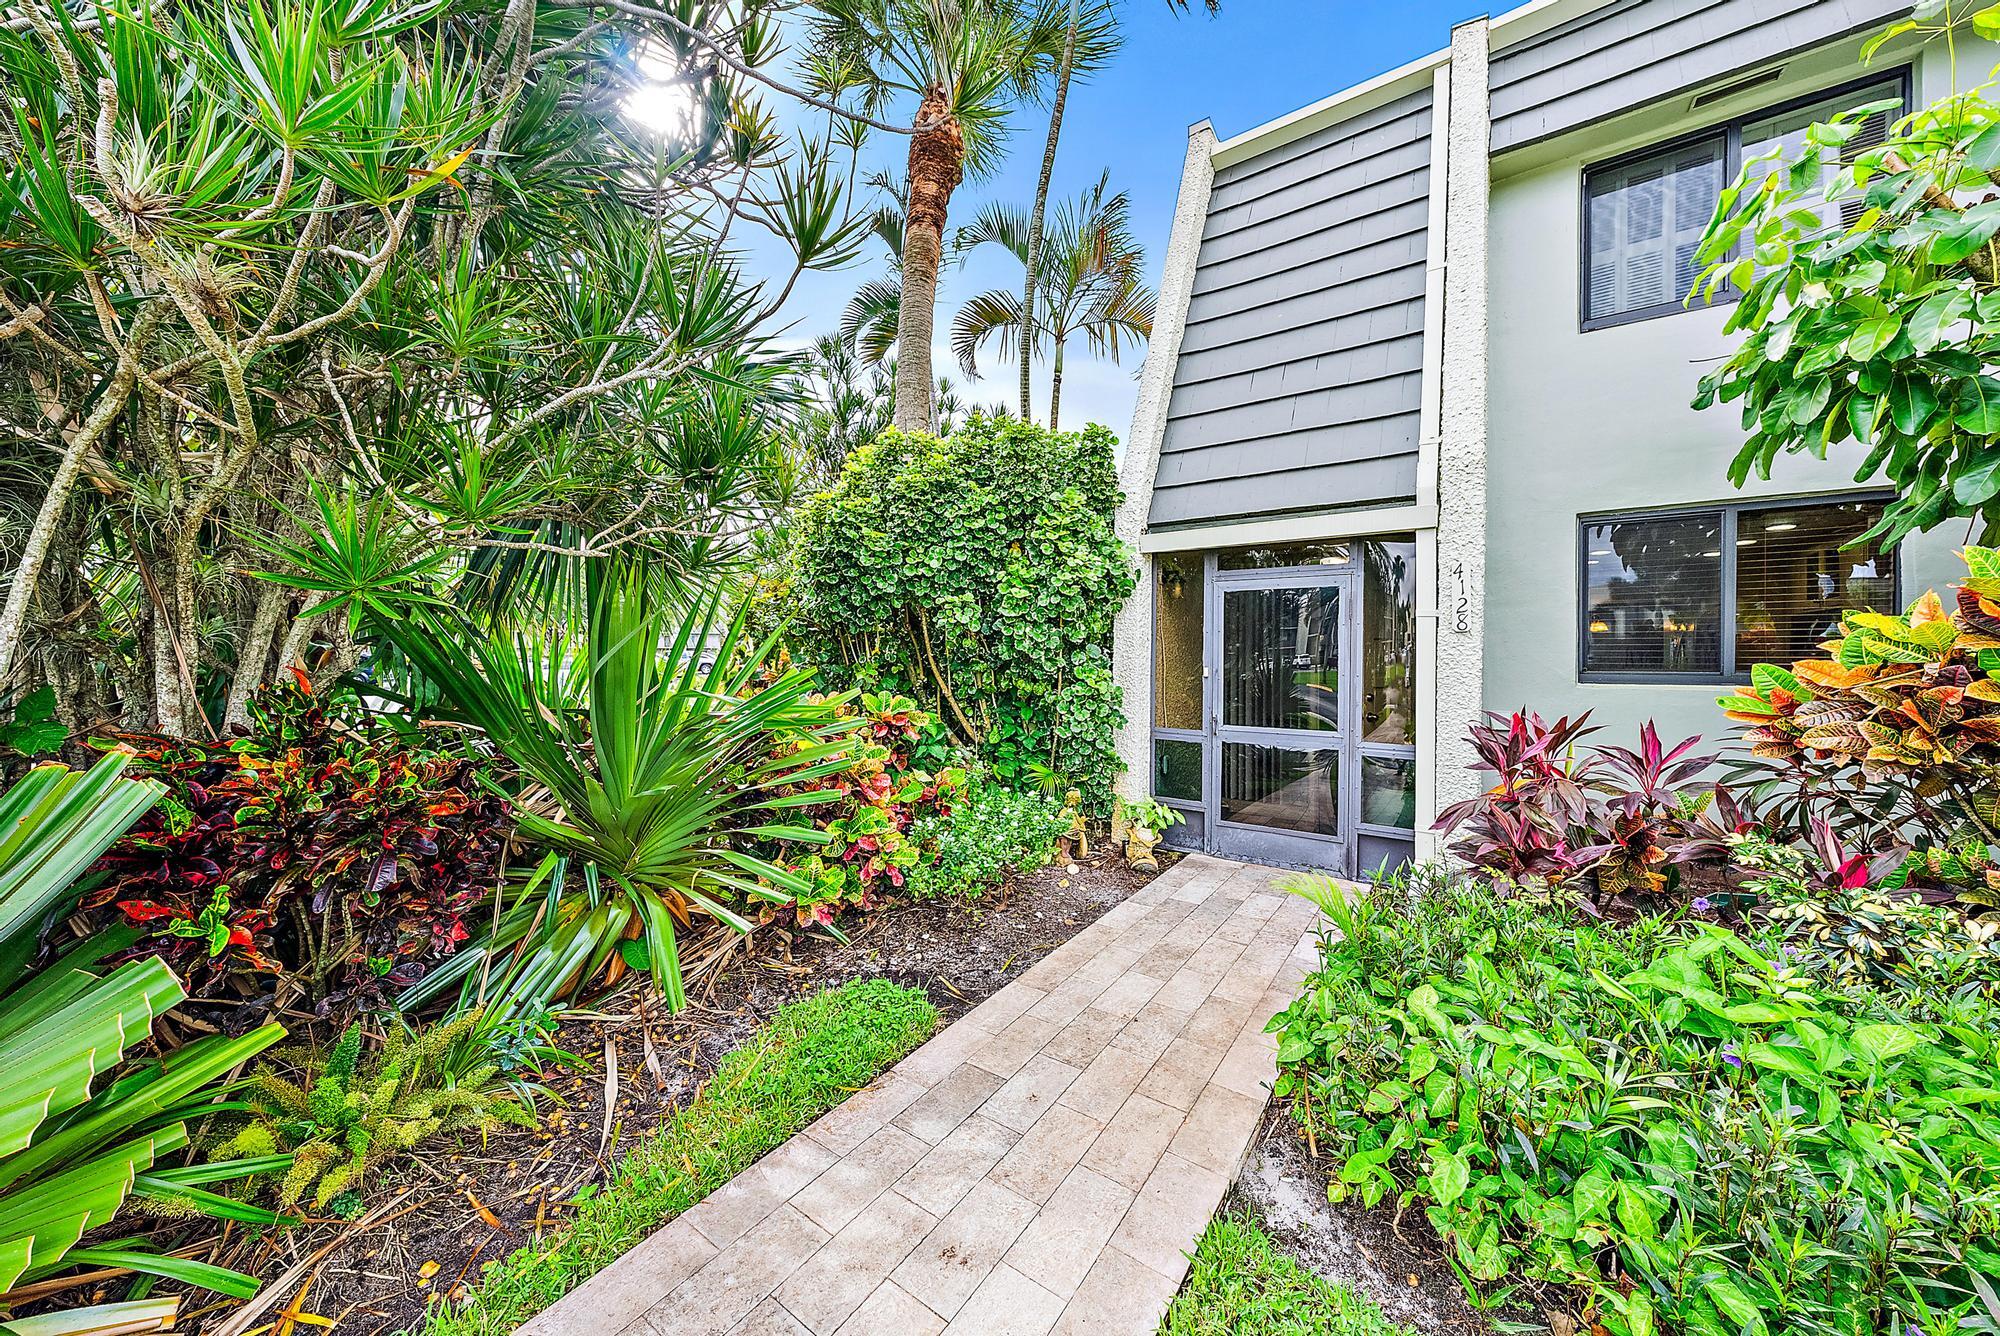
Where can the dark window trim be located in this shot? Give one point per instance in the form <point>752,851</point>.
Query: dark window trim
<point>1193,735</point>
<point>1728,511</point>
<point>1731,132</point>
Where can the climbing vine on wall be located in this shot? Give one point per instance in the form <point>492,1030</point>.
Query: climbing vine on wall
<point>980,573</point>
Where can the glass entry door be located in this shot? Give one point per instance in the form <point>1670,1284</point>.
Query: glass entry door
<point>1281,779</point>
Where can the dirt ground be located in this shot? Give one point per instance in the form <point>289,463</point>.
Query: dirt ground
<point>1396,1260</point>
<point>428,1233</point>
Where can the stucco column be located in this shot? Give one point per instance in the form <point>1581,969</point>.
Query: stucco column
<point>1132,637</point>
<point>1461,561</point>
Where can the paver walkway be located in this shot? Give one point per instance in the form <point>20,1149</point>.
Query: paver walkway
<point>1043,1165</point>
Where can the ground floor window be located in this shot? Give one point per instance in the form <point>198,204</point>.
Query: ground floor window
<point>1705,592</point>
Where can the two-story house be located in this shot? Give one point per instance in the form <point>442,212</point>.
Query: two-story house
<point>1414,437</point>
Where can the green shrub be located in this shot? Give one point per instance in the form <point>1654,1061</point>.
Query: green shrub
<point>1843,918</point>
<point>325,846</point>
<point>864,844</point>
<point>814,1053</point>
<point>979,573</point>
<point>1681,1123</point>
<point>991,830</point>
<point>1239,1285</point>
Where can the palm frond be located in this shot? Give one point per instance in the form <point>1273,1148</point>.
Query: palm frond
<point>868,324</point>
<point>992,314</point>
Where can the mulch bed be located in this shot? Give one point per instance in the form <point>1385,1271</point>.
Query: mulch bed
<point>429,1232</point>
<point>1394,1258</point>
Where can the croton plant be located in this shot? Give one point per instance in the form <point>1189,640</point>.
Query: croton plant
<point>1909,705</point>
<point>323,847</point>
<point>875,801</point>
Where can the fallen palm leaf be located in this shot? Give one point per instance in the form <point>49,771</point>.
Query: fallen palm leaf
<point>484,1213</point>
<point>610,1095</point>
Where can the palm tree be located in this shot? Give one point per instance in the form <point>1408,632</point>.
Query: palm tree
<point>1085,50</point>
<point>846,400</point>
<point>967,63</point>
<point>1090,286</point>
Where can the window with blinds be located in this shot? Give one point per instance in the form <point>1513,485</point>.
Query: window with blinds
<point>1797,570</point>
<point>1784,133</point>
<point>1644,214</point>
<point>1646,221</point>
<point>1708,592</point>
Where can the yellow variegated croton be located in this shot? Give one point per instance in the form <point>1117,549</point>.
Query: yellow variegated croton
<point>1912,698</point>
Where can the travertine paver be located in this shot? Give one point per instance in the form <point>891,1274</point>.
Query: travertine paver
<point>1044,1165</point>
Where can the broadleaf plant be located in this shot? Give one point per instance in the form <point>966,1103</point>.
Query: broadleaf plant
<point>1869,283</point>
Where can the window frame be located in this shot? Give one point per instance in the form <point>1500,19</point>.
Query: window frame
<point>1731,132</point>
<point>1729,512</point>
<point>1198,805</point>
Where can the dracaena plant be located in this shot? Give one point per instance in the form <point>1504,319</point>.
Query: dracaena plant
<point>1644,831</point>
<point>1521,826</point>
<point>1630,819</point>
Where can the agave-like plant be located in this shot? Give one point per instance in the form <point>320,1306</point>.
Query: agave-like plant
<point>663,752</point>
<point>70,1157</point>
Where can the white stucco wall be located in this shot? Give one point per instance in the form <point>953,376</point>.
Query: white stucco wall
<point>1582,422</point>
<point>1464,426</point>
<point>1132,635</point>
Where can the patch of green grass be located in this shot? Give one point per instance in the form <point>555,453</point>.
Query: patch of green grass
<point>814,1053</point>
<point>1240,1285</point>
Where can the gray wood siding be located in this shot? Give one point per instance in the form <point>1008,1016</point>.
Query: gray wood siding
<point>1633,52</point>
<point>1298,378</point>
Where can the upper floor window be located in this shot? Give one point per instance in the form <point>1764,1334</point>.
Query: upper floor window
<point>1705,592</point>
<point>1644,213</point>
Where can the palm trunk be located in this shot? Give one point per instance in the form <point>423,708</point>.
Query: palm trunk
<point>937,165</point>
<point>34,552</point>
<point>1035,216</point>
<point>1055,387</point>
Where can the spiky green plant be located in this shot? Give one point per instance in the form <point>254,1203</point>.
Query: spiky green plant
<point>344,1117</point>
<point>662,750</point>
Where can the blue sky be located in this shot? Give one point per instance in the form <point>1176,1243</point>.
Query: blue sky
<point>1256,60</point>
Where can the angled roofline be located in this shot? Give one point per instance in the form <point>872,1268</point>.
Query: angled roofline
<point>1516,25</point>
<point>1331,110</point>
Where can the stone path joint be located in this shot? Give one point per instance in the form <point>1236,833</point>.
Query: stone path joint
<point>1042,1167</point>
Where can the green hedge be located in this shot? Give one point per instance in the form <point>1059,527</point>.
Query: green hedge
<point>991,830</point>
<point>813,1054</point>
<point>981,574</point>
<point>1669,1118</point>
